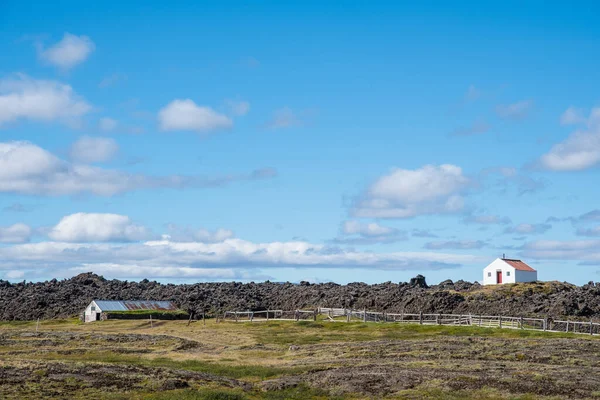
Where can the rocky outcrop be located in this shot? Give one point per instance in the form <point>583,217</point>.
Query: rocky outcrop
<point>65,298</point>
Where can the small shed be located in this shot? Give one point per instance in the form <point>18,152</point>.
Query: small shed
<point>506,270</point>
<point>94,311</point>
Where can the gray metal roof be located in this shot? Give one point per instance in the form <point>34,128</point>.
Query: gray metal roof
<point>132,305</point>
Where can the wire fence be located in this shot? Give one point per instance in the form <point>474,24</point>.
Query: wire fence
<point>350,315</point>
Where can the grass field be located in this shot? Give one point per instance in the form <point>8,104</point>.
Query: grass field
<point>128,359</point>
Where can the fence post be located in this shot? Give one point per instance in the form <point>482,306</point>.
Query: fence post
<point>521,321</point>
<point>252,317</point>
<point>204,318</point>
<point>567,326</point>
<point>297,315</point>
<point>438,319</point>
<point>37,325</point>
<point>364,315</point>
<point>402,316</point>
<point>315,316</point>
<point>348,315</point>
<point>267,314</point>
<point>421,318</point>
<point>384,317</point>
<point>500,321</point>
<point>480,319</point>
<point>236,316</point>
<point>545,324</point>
<point>150,320</point>
<point>591,327</point>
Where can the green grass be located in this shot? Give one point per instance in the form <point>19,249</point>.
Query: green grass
<point>303,333</point>
<point>231,371</point>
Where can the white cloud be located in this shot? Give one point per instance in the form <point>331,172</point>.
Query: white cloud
<point>14,274</point>
<point>89,149</point>
<point>28,169</point>
<point>455,244</point>
<point>515,111</point>
<point>186,234</point>
<point>407,193</point>
<point>68,52</point>
<point>24,98</point>
<point>579,151</point>
<point>238,107</point>
<point>169,259</point>
<point>187,116</point>
<point>368,233</point>
<point>575,250</point>
<point>572,116</point>
<point>107,124</point>
<point>95,227</point>
<point>529,229</point>
<point>17,233</point>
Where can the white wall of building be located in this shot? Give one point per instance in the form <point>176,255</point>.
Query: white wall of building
<point>489,272</point>
<point>90,312</point>
<point>509,273</point>
<point>526,276</point>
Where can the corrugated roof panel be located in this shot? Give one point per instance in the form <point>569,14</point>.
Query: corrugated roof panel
<point>131,305</point>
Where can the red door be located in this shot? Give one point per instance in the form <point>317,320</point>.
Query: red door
<point>498,276</point>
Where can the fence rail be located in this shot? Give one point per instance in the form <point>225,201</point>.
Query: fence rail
<point>350,315</point>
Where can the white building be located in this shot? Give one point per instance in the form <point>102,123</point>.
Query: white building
<point>504,270</point>
<point>94,310</point>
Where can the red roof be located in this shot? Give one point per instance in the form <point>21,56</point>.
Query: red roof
<point>518,264</point>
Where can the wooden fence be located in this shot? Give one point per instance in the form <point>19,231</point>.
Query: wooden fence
<point>350,315</point>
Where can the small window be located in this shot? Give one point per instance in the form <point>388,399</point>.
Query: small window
<point>93,308</point>
<point>489,274</point>
<point>507,273</point>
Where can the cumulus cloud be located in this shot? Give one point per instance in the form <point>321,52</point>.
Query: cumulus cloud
<point>28,169</point>
<point>587,251</point>
<point>22,97</point>
<point>107,124</point>
<point>407,193</point>
<point>486,220</point>
<point>89,149</point>
<point>455,244</point>
<point>186,234</point>
<point>368,233</point>
<point>17,233</point>
<point>185,115</point>
<point>238,107</point>
<point>68,52</point>
<point>529,229</point>
<point>581,150</point>
<point>516,111</point>
<point>96,227</point>
<point>240,255</point>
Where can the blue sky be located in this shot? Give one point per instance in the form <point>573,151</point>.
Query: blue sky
<point>362,141</point>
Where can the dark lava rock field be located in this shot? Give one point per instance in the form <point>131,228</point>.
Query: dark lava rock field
<point>68,298</point>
